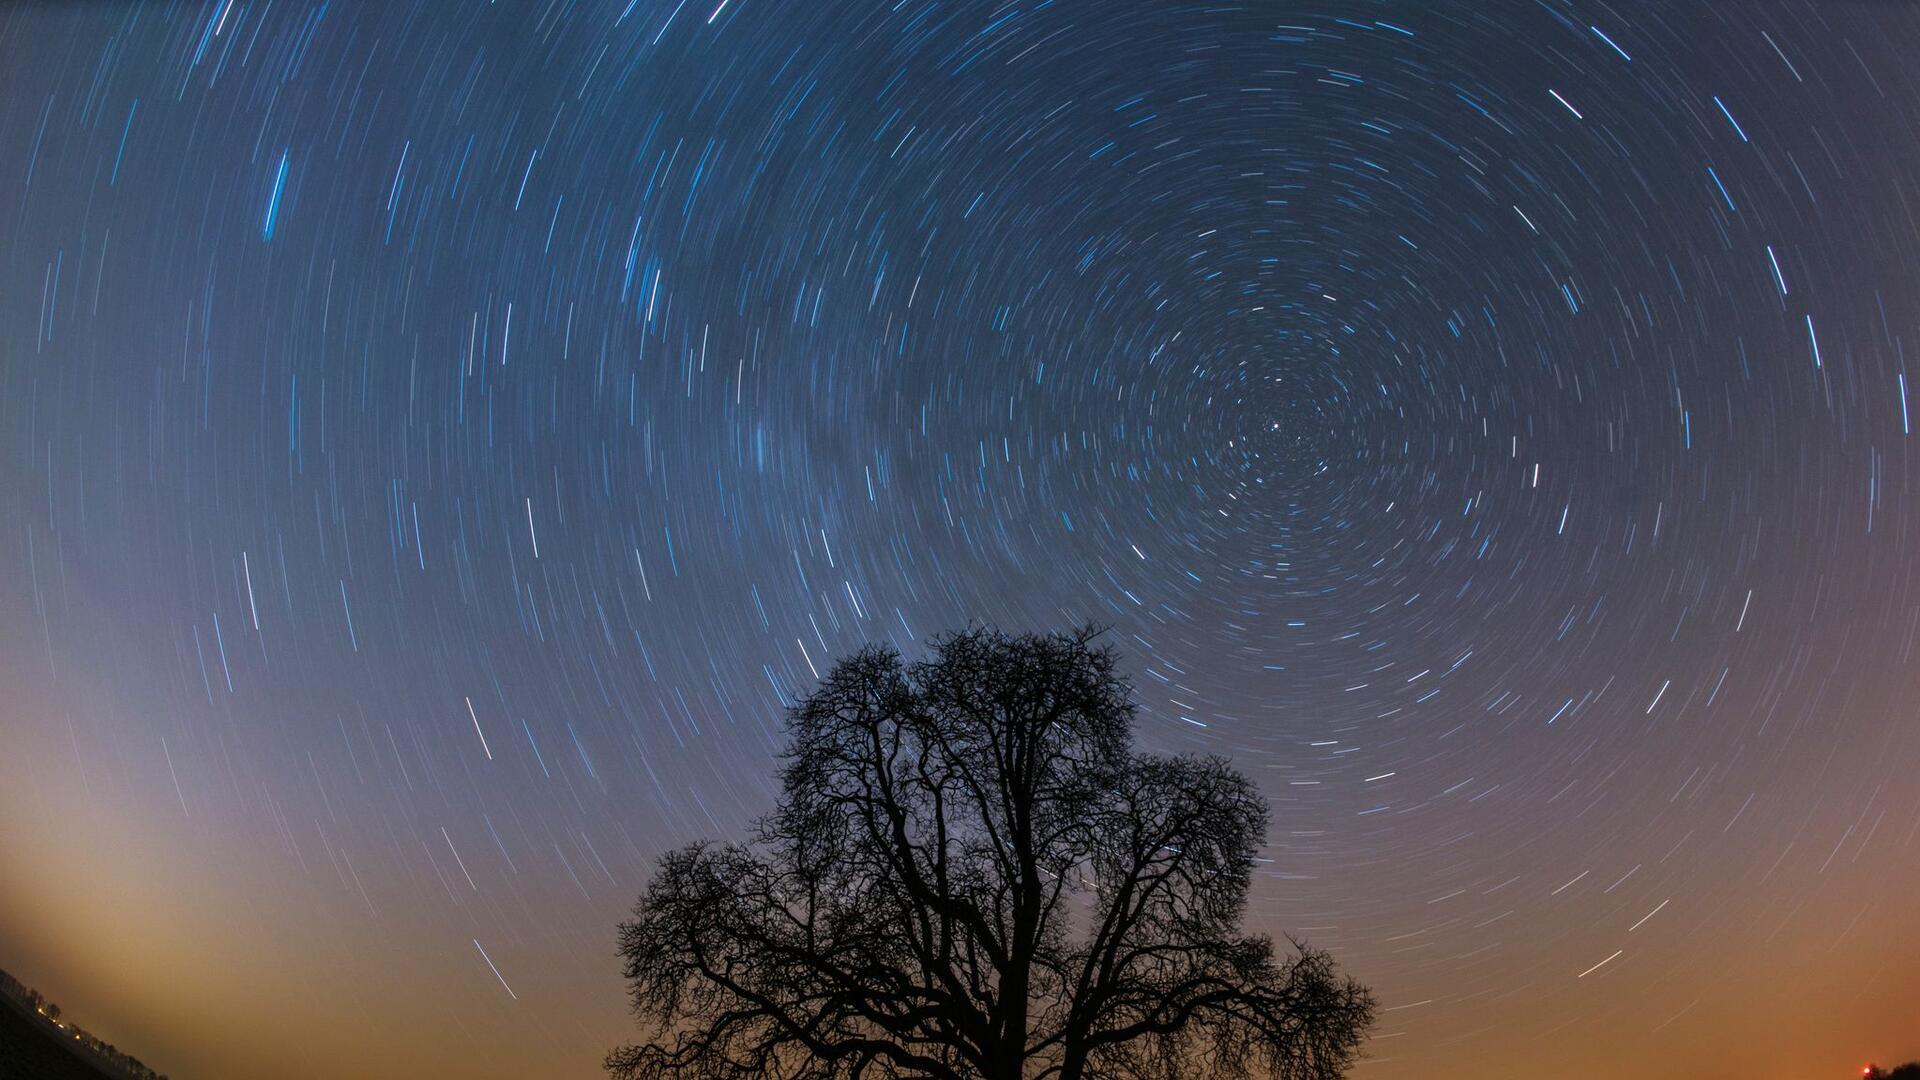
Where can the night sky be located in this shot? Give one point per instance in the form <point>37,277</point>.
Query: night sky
<point>436,442</point>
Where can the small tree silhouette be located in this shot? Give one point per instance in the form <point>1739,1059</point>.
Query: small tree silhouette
<point>971,875</point>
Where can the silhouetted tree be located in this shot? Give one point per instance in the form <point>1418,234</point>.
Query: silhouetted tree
<point>971,874</point>
<point>1909,1071</point>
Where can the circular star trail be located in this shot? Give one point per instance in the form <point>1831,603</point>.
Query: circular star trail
<point>436,441</point>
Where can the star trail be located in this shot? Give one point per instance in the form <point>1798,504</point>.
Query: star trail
<point>437,440</point>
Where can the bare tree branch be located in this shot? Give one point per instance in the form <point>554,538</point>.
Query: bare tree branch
<point>971,875</point>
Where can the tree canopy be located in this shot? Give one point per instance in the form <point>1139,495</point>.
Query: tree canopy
<point>970,874</point>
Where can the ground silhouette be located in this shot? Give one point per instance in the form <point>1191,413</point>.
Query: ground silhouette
<point>35,1045</point>
<point>970,874</point>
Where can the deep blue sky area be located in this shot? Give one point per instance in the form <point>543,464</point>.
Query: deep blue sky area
<point>437,441</point>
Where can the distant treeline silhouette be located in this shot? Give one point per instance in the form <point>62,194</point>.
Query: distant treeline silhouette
<point>1909,1071</point>
<point>108,1058</point>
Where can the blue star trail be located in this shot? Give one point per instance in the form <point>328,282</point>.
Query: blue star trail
<point>438,440</point>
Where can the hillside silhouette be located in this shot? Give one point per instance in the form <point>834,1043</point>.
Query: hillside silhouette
<point>35,1044</point>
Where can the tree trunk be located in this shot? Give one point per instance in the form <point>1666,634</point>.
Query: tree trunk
<point>1012,1058</point>
<point>1073,1064</point>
